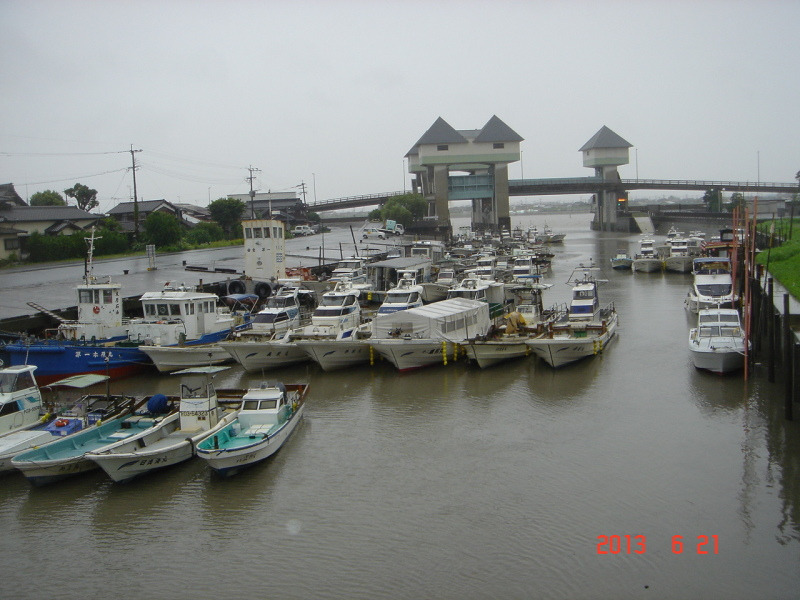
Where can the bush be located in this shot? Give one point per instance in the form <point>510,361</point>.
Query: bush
<point>205,233</point>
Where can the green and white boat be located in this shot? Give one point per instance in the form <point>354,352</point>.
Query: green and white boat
<point>268,416</point>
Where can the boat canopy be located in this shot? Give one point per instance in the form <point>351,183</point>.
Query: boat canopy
<point>454,317</point>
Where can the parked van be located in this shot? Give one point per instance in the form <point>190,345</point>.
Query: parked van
<point>302,230</point>
<point>373,231</point>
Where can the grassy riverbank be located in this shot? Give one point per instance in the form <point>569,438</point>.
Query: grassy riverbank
<point>783,261</point>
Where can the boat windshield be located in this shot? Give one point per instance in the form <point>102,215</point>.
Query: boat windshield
<point>401,297</point>
<point>12,382</point>
<point>281,301</point>
<point>270,317</point>
<point>337,300</point>
<point>446,275</point>
<point>717,331</point>
<point>471,294</point>
<point>714,289</point>
<point>333,311</point>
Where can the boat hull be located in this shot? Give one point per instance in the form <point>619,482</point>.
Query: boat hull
<point>254,356</point>
<point>561,350</point>
<point>332,355</point>
<point>230,462</point>
<point>407,355</point>
<point>172,358</point>
<point>718,361</point>
<point>159,449</point>
<point>646,265</point>
<point>491,352</point>
<point>678,264</point>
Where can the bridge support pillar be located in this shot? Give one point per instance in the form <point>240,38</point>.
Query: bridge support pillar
<point>441,196</point>
<point>501,196</point>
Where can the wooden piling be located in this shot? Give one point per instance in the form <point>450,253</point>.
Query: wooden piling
<point>788,361</point>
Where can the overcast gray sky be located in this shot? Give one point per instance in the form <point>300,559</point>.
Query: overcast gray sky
<point>334,93</point>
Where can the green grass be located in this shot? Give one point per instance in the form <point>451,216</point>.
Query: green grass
<point>783,262</point>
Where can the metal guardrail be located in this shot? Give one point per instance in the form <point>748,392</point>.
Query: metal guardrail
<point>357,198</point>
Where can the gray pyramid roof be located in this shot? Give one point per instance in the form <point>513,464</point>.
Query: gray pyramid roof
<point>497,131</point>
<point>605,138</point>
<point>441,133</point>
<point>9,195</point>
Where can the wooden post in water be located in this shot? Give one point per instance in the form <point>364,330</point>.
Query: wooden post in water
<point>770,304</point>
<point>789,360</point>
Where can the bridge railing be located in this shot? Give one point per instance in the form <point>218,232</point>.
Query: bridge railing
<point>357,198</point>
<point>728,185</point>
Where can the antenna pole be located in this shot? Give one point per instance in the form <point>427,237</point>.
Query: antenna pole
<point>253,193</point>
<point>135,198</point>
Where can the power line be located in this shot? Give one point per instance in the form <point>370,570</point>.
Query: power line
<point>74,177</point>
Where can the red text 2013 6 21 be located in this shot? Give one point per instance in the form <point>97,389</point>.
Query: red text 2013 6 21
<point>637,544</point>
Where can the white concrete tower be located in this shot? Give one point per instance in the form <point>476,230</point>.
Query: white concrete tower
<point>604,152</point>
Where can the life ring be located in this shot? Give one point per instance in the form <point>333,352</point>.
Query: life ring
<point>61,423</point>
<point>96,310</point>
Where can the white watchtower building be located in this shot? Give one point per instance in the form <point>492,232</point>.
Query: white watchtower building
<point>604,152</point>
<point>483,155</point>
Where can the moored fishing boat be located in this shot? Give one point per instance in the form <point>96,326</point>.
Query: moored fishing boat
<point>62,419</point>
<point>680,258</point>
<point>509,340</point>
<point>20,399</point>
<point>268,416</point>
<point>424,336</point>
<point>175,439</point>
<point>584,331</point>
<point>718,343</point>
<point>712,285</point>
<point>175,315</point>
<point>66,456</point>
<point>645,260</point>
<point>621,261</point>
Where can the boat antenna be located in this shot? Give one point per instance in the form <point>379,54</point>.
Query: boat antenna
<point>87,261</point>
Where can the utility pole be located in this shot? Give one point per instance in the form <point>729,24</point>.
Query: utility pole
<point>303,188</point>
<point>135,198</point>
<point>253,193</point>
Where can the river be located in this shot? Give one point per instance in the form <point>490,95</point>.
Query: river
<point>455,482</point>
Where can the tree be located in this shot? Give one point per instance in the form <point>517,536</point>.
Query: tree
<point>203,233</point>
<point>713,200</point>
<point>162,229</point>
<point>405,209</point>
<point>84,196</point>
<point>227,212</point>
<point>737,201</point>
<point>47,198</point>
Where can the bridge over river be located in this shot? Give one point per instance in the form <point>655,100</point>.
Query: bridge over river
<point>468,187</point>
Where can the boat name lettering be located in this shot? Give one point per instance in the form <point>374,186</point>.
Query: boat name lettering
<point>194,413</point>
<point>246,457</point>
<point>94,354</point>
<point>153,461</point>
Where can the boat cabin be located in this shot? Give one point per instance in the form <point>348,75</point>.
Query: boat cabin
<point>585,302</point>
<point>407,294</point>
<point>263,408</point>
<point>711,266</point>
<point>20,398</point>
<point>352,269</point>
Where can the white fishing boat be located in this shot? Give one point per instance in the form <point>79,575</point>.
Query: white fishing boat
<point>335,318</point>
<point>352,270</point>
<point>712,285</point>
<point>584,331</point>
<point>621,261</point>
<point>20,399</point>
<point>508,340</point>
<point>268,416</point>
<point>60,420</point>
<point>646,260</point>
<point>427,335</point>
<point>717,344</point>
<point>175,438</point>
<point>526,270</point>
<point>66,456</point>
<point>680,257</point>
<point>171,358</point>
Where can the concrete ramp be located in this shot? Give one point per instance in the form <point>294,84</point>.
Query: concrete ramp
<point>644,223</point>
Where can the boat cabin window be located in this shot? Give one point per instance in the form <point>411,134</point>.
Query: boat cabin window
<point>714,289</point>
<point>13,382</point>
<point>108,296</point>
<point>582,309</point>
<point>338,300</point>
<point>716,331</point>
<point>89,296</point>
<point>278,232</point>
<point>9,408</point>
<point>188,308</point>
<point>401,297</point>
<point>583,294</point>
<point>248,233</point>
<point>250,405</point>
<point>257,232</point>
